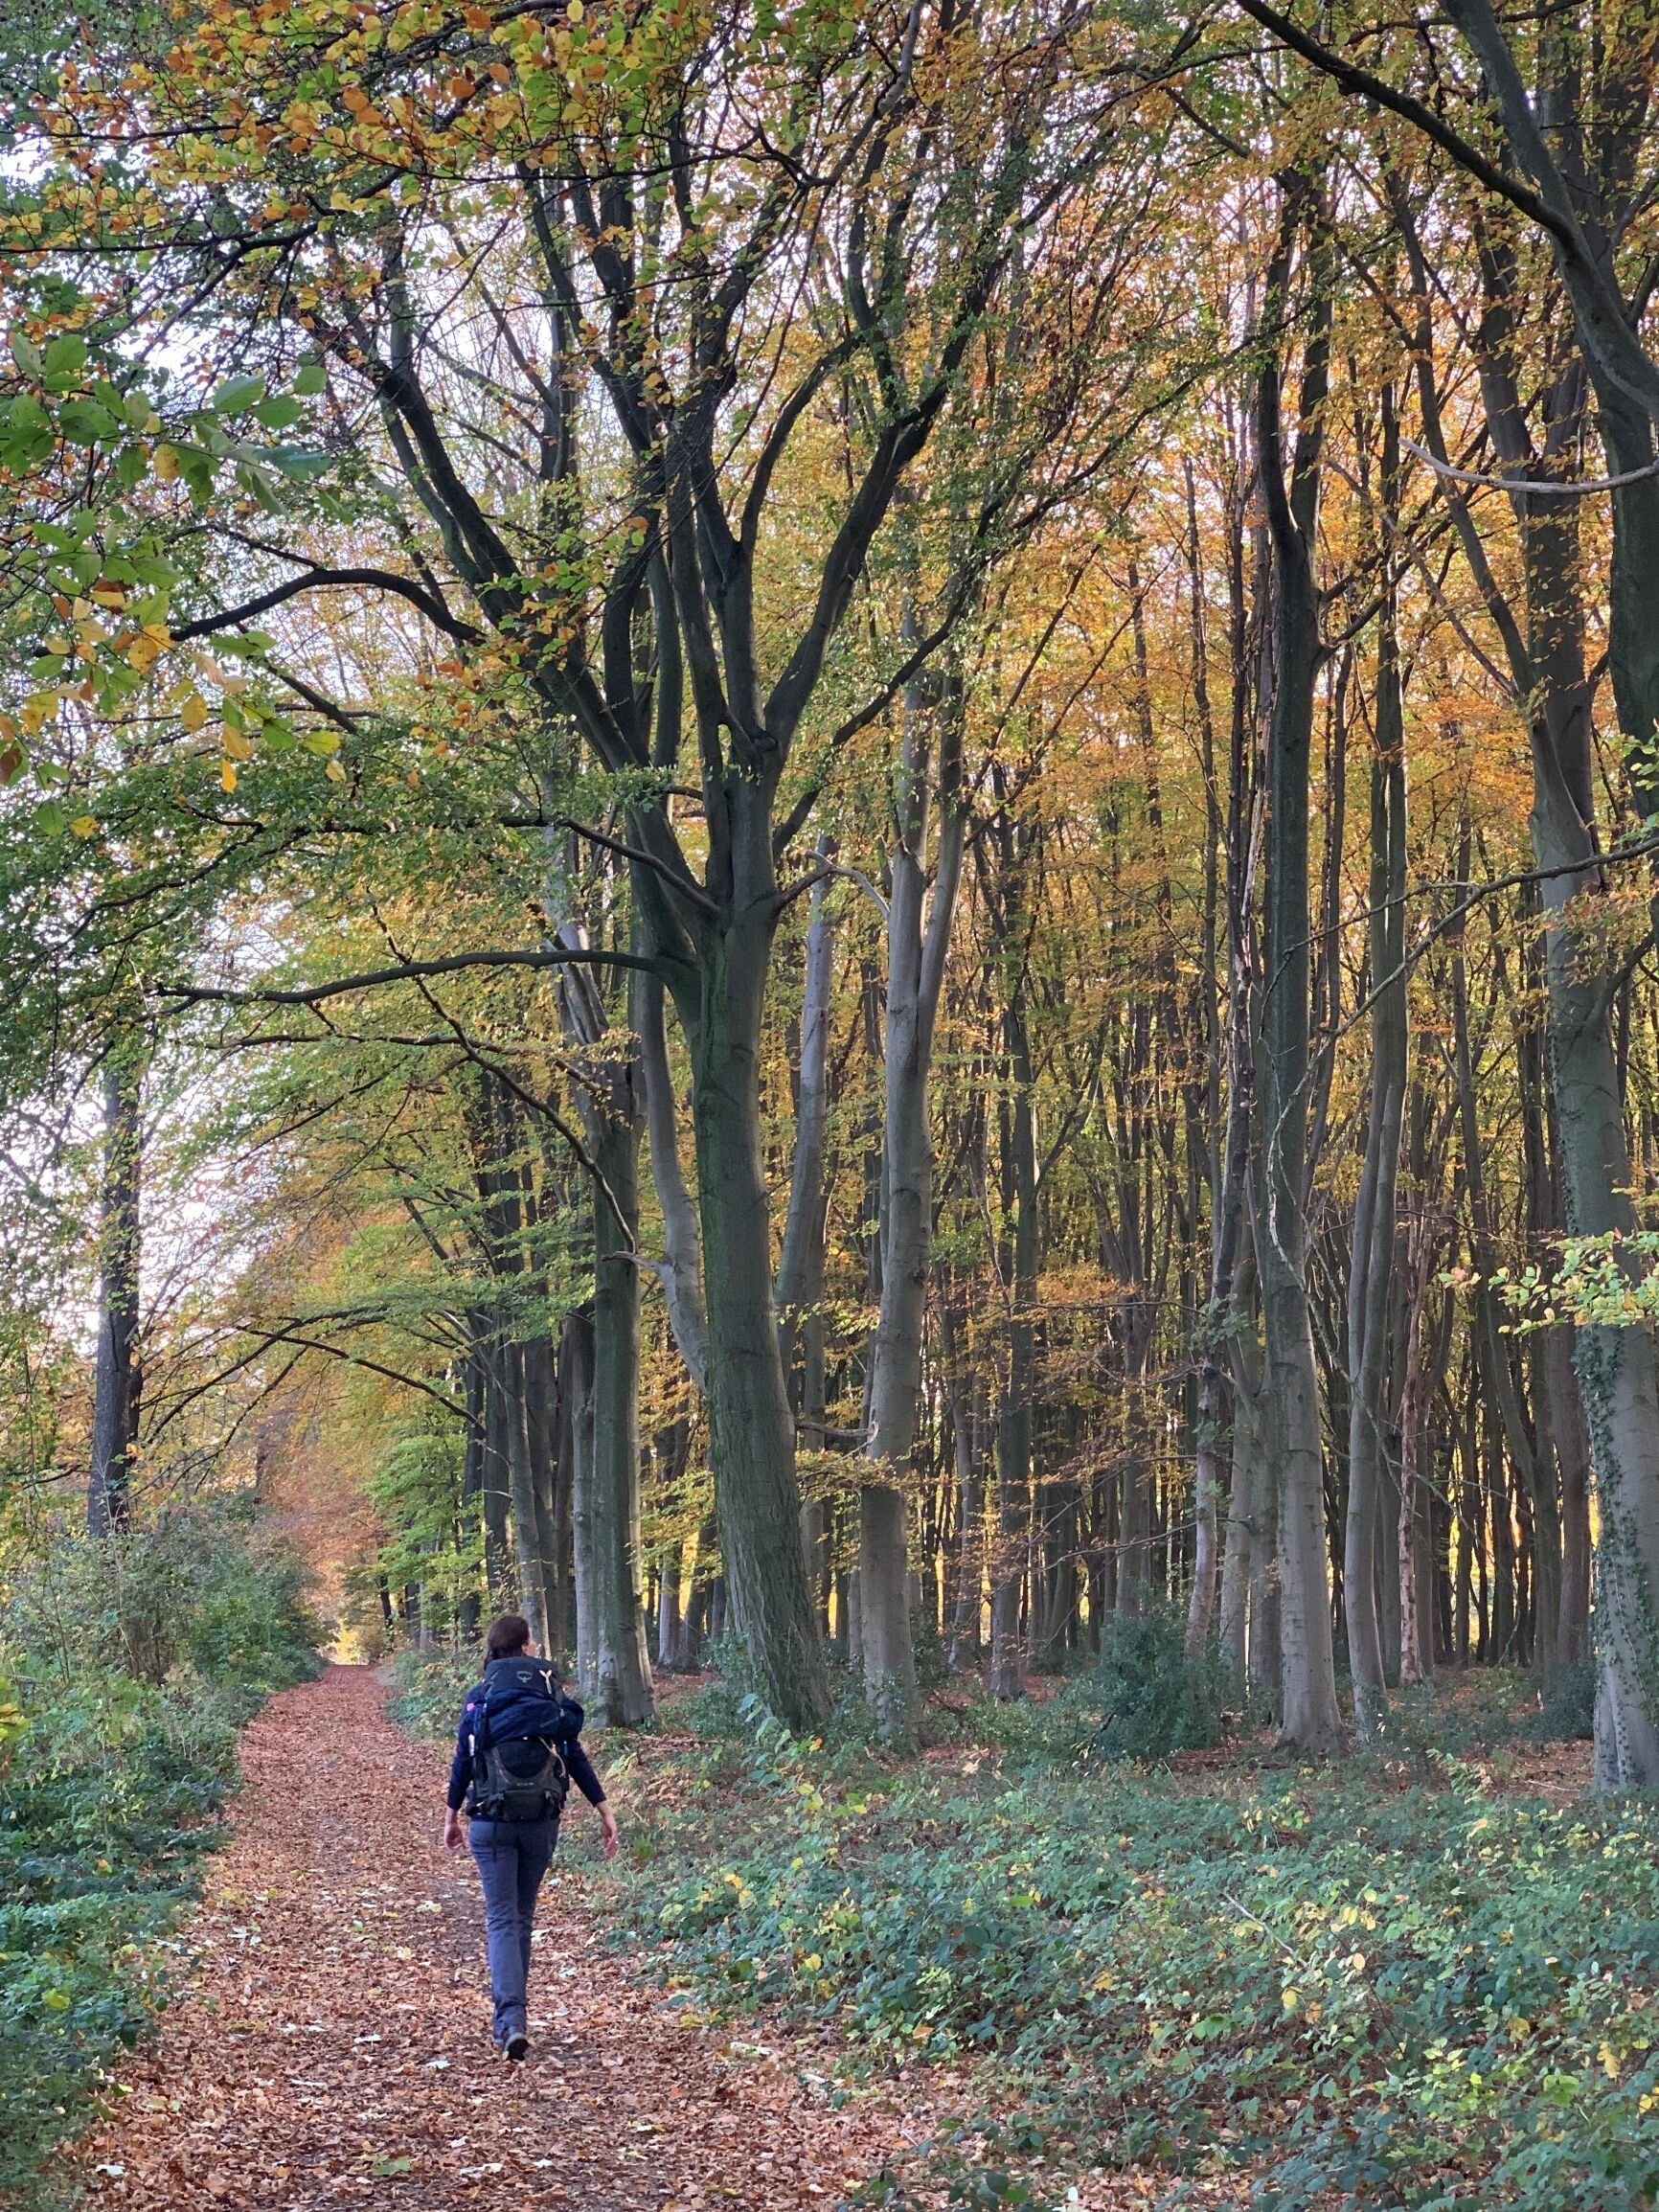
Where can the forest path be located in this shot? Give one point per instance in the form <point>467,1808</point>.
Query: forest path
<point>329,2043</point>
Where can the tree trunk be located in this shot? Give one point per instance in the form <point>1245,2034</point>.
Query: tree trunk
<point>495,1470</point>
<point>1013,1431</point>
<point>619,1685</point>
<point>917,940</point>
<point>471,1467</point>
<point>682,1269</point>
<point>1370,1281</point>
<point>751,1429</point>
<point>545,1472</point>
<point>1415,1631</point>
<point>575,1367</point>
<point>1311,1721</point>
<point>117,1377</point>
<point>967,1560</point>
<point>1573,1455</point>
<point>521,1481</point>
<point>800,1282</point>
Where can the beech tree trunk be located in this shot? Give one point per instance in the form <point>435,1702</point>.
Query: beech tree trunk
<point>494,1471</point>
<point>619,1685</point>
<point>576,1367</point>
<point>800,1280</point>
<point>526,1506</point>
<point>918,940</point>
<point>1370,1281</point>
<point>1311,1721</point>
<point>1014,1428</point>
<point>116,1381</point>
<point>751,1428</point>
<point>615,1668</point>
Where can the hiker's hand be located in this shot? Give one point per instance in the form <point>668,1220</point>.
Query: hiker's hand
<point>607,1822</point>
<point>451,1832</point>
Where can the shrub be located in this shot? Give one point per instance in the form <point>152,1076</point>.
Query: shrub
<point>130,1664</point>
<point>1568,1706</point>
<point>430,1688</point>
<point>201,1589</point>
<point>1142,1698</point>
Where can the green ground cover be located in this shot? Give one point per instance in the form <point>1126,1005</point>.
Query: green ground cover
<point>126,1669</point>
<point>1390,1983</point>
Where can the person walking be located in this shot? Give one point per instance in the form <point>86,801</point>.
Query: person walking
<point>517,1750</point>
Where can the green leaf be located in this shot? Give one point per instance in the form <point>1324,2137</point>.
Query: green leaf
<point>237,394</point>
<point>293,461</point>
<point>65,358</point>
<point>26,353</point>
<point>279,412</point>
<point>50,819</point>
<point>313,377</point>
<point>84,423</point>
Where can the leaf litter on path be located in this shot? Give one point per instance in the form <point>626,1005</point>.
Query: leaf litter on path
<point>327,2044</point>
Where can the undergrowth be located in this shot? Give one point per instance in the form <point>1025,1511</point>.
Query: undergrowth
<point>127,1669</point>
<point>1378,1984</point>
<point>1360,1993</point>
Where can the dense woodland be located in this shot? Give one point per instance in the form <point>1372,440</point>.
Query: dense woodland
<point>828,841</point>
<point>835,825</point>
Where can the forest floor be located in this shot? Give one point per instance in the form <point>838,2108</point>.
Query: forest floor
<point>327,2039</point>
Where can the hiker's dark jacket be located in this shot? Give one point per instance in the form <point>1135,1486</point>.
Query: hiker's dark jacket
<point>520,1708</point>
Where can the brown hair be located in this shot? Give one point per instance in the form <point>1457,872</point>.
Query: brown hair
<point>507,1636</point>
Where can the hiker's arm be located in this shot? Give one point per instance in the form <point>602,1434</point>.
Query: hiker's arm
<point>582,1773</point>
<point>460,1774</point>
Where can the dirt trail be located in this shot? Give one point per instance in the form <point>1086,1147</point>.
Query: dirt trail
<point>331,2044</point>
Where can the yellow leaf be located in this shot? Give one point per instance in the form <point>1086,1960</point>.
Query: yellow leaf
<point>227,775</point>
<point>86,825</point>
<point>1292,1998</point>
<point>143,653</point>
<point>166,463</point>
<point>334,771</point>
<point>194,712</point>
<point>237,745</point>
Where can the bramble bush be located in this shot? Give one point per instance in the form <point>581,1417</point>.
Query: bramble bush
<point>128,1667</point>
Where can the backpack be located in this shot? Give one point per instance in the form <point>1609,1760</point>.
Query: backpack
<point>520,1718</point>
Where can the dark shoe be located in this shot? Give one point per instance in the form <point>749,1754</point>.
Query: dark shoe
<point>516,2046</point>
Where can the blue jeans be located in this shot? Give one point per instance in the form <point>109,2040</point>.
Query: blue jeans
<point>513,1856</point>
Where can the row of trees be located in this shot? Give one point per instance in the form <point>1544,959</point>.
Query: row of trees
<point>904,652</point>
